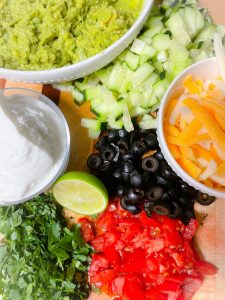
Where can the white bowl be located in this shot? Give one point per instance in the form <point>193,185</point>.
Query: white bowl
<point>87,66</point>
<point>63,163</point>
<point>206,69</point>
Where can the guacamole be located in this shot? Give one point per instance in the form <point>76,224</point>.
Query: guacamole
<point>46,34</point>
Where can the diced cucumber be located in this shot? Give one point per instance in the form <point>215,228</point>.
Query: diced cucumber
<point>114,123</point>
<point>139,111</point>
<point>160,88</point>
<point>150,99</point>
<point>161,41</point>
<point>103,74</point>
<point>177,26</point>
<point>64,87</point>
<point>128,125</point>
<point>206,35</point>
<point>137,46</point>
<point>162,56</point>
<point>78,97</point>
<point>116,77</point>
<point>201,56</point>
<point>153,21</point>
<point>122,56</point>
<point>99,92</point>
<point>100,109</point>
<point>148,34</point>
<point>141,74</point>
<point>193,20</point>
<point>132,60</point>
<point>93,134</point>
<point>91,124</point>
<point>134,99</point>
<point>221,30</point>
<point>147,122</point>
<point>147,84</point>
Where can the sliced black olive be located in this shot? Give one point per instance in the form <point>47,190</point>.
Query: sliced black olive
<point>175,210</point>
<point>94,161</point>
<point>151,141</point>
<point>173,193</point>
<point>205,199</point>
<point>108,153</point>
<point>123,146</point>
<point>150,164</point>
<point>187,189</point>
<point>125,204</point>
<point>138,148</point>
<point>113,135</point>
<point>162,182</point>
<point>107,167</point>
<point>167,173</point>
<point>161,208</point>
<point>159,155</point>
<point>135,195</point>
<point>117,174</point>
<point>135,179</point>
<point>187,215</point>
<point>154,193</point>
<point>120,189</point>
<point>146,176</point>
<point>134,136</point>
<point>102,142</point>
<point>126,177</point>
<point>166,197</point>
<point>148,208</point>
<point>123,134</point>
<point>126,166</point>
<point>127,156</point>
<point>185,202</point>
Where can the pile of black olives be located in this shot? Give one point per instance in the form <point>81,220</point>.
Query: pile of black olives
<point>132,167</point>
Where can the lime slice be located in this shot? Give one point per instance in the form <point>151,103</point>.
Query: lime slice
<point>81,193</point>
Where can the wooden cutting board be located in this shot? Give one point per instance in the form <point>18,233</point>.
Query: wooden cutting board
<point>210,238</point>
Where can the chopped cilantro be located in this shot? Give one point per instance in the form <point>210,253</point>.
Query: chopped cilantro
<point>40,258</point>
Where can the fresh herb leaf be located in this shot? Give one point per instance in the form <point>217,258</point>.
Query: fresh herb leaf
<point>40,258</point>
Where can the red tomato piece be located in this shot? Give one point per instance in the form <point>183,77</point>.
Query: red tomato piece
<point>87,229</point>
<point>205,268</point>
<point>172,289</point>
<point>154,294</point>
<point>98,243</point>
<point>155,245</point>
<point>118,285</point>
<point>133,261</point>
<point>190,229</point>
<point>191,286</point>
<point>98,263</point>
<point>103,277</point>
<point>133,288</point>
<point>148,222</point>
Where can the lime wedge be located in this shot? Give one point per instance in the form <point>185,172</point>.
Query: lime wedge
<point>81,193</point>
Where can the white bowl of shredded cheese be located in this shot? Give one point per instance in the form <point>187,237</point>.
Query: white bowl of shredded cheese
<point>35,144</point>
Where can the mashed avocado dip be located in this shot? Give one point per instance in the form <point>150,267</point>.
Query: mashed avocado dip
<point>45,34</point>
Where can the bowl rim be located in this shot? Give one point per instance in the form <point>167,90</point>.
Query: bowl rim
<point>162,141</point>
<point>147,4</point>
<point>66,153</point>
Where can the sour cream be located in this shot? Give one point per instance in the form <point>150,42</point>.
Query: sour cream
<point>32,146</point>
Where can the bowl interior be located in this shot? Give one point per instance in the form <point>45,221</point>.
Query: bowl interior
<point>206,70</point>
<point>64,131</point>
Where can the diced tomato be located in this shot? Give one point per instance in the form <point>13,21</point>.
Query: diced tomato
<point>103,277</point>
<point>190,229</point>
<point>154,246</point>
<point>172,289</point>
<point>86,229</point>
<point>118,285</point>
<point>205,268</point>
<point>191,285</point>
<point>133,261</point>
<point>98,243</point>
<point>98,263</point>
<point>148,222</point>
<point>133,288</point>
<point>154,294</point>
<point>143,258</point>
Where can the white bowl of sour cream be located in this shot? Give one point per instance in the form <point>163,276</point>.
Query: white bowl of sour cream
<point>35,144</point>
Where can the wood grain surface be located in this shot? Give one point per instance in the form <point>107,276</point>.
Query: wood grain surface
<point>210,238</point>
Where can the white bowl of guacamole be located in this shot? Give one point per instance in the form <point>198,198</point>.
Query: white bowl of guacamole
<point>46,41</point>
